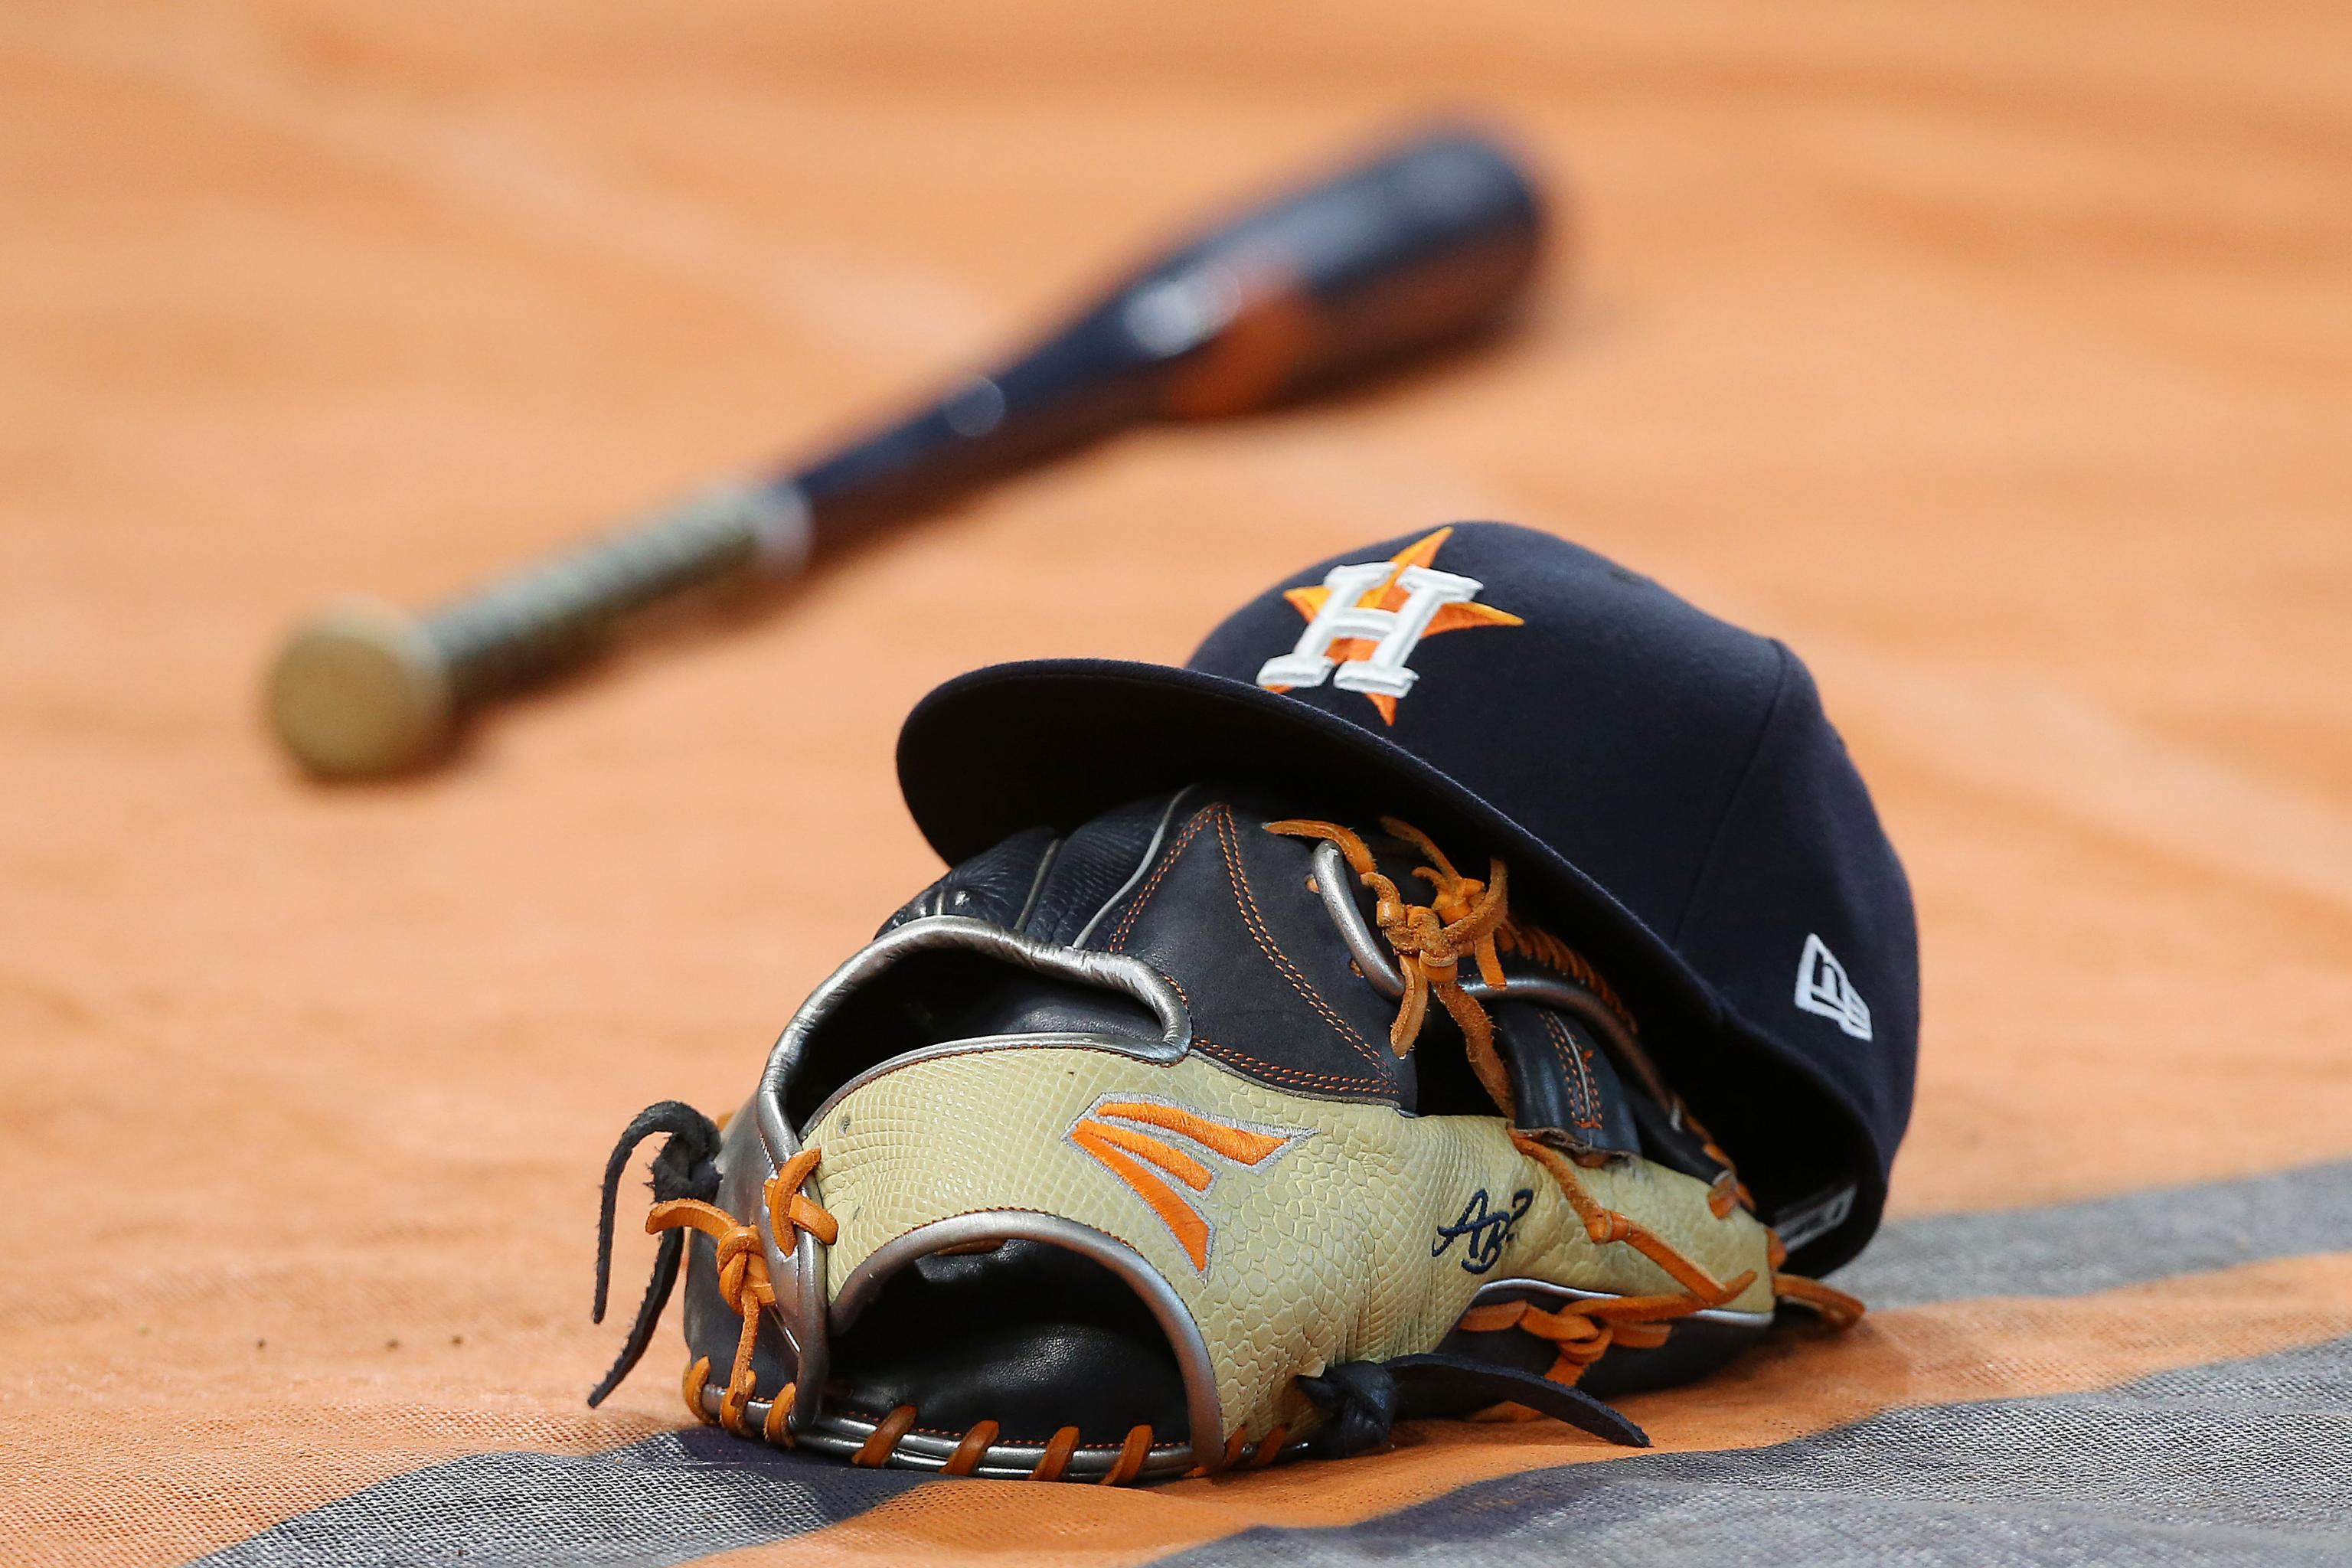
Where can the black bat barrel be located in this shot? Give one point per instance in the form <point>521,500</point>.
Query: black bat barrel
<point>1425,242</point>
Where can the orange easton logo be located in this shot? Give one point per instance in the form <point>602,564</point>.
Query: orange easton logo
<point>1113,1132</point>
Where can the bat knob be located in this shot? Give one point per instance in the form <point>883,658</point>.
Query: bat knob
<point>360,691</point>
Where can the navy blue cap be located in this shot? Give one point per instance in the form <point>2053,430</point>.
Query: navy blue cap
<point>1665,786</point>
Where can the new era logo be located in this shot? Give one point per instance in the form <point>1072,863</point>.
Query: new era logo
<point>1823,989</point>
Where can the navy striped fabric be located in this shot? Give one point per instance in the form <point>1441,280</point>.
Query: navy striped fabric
<point>2076,1477</point>
<point>2239,1465</point>
<point>2103,1244</point>
<point>667,1499</point>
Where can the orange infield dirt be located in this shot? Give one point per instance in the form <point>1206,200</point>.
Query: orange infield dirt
<point>1997,358</point>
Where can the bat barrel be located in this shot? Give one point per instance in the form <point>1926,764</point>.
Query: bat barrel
<point>1428,240</point>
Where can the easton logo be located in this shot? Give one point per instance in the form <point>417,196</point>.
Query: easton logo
<point>1365,620</point>
<point>1114,1132</point>
<point>1483,1230</point>
<point>1823,989</point>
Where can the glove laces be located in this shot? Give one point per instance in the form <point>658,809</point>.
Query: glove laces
<point>1464,919</point>
<point>1467,917</point>
<point>744,1284</point>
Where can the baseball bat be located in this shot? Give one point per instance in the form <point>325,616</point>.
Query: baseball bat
<point>1425,241</point>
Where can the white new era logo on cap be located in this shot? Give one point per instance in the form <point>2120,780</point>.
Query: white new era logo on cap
<point>1823,989</point>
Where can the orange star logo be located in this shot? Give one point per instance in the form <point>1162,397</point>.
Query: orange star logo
<point>1391,596</point>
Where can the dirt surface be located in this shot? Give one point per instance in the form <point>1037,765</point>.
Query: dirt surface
<point>1998,359</point>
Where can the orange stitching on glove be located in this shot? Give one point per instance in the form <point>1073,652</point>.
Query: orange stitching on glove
<point>1254,919</point>
<point>1534,942</point>
<point>1583,1336</point>
<point>1725,1195</point>
<point>1466,915</point>
<point>1573,1351</point>
<point>1452,900</point>
<point>881,1446</point>
<point>1730,1177</point>
<point>1641,1336</point>
<point>1628,1312</point>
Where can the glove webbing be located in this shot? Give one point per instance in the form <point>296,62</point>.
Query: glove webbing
<point>1468,917</point>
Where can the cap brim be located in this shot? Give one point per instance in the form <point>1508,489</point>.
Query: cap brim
<point>1057,742</point>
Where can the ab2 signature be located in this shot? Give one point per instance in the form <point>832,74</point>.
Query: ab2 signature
<point>1483,1229</point>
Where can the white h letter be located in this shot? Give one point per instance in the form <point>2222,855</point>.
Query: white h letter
<point>1396,632</point>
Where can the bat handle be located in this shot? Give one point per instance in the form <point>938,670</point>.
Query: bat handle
<point>364,689</point>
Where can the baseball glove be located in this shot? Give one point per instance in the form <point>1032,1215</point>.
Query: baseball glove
<point>1206,1135</point>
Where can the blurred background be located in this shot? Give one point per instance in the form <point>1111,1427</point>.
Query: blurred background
<point>1998,358</point>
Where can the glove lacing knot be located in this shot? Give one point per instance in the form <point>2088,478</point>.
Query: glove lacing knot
<point>745,1286</point>
<point>1464,917</point>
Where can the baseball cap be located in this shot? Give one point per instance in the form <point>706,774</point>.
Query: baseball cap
<point>1666,788</point>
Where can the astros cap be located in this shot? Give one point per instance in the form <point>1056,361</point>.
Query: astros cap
<point>1665,786</point>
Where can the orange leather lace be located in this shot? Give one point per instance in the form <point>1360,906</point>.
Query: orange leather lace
<point>1584,1334</point>
<point>1461,921</point>
<point>744,1284</point>
<point>1468,917</point>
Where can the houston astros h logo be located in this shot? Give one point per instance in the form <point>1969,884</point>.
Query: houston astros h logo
<point>1364,621</point>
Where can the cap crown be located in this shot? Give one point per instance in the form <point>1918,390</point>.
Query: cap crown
<point>1684,765</point>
